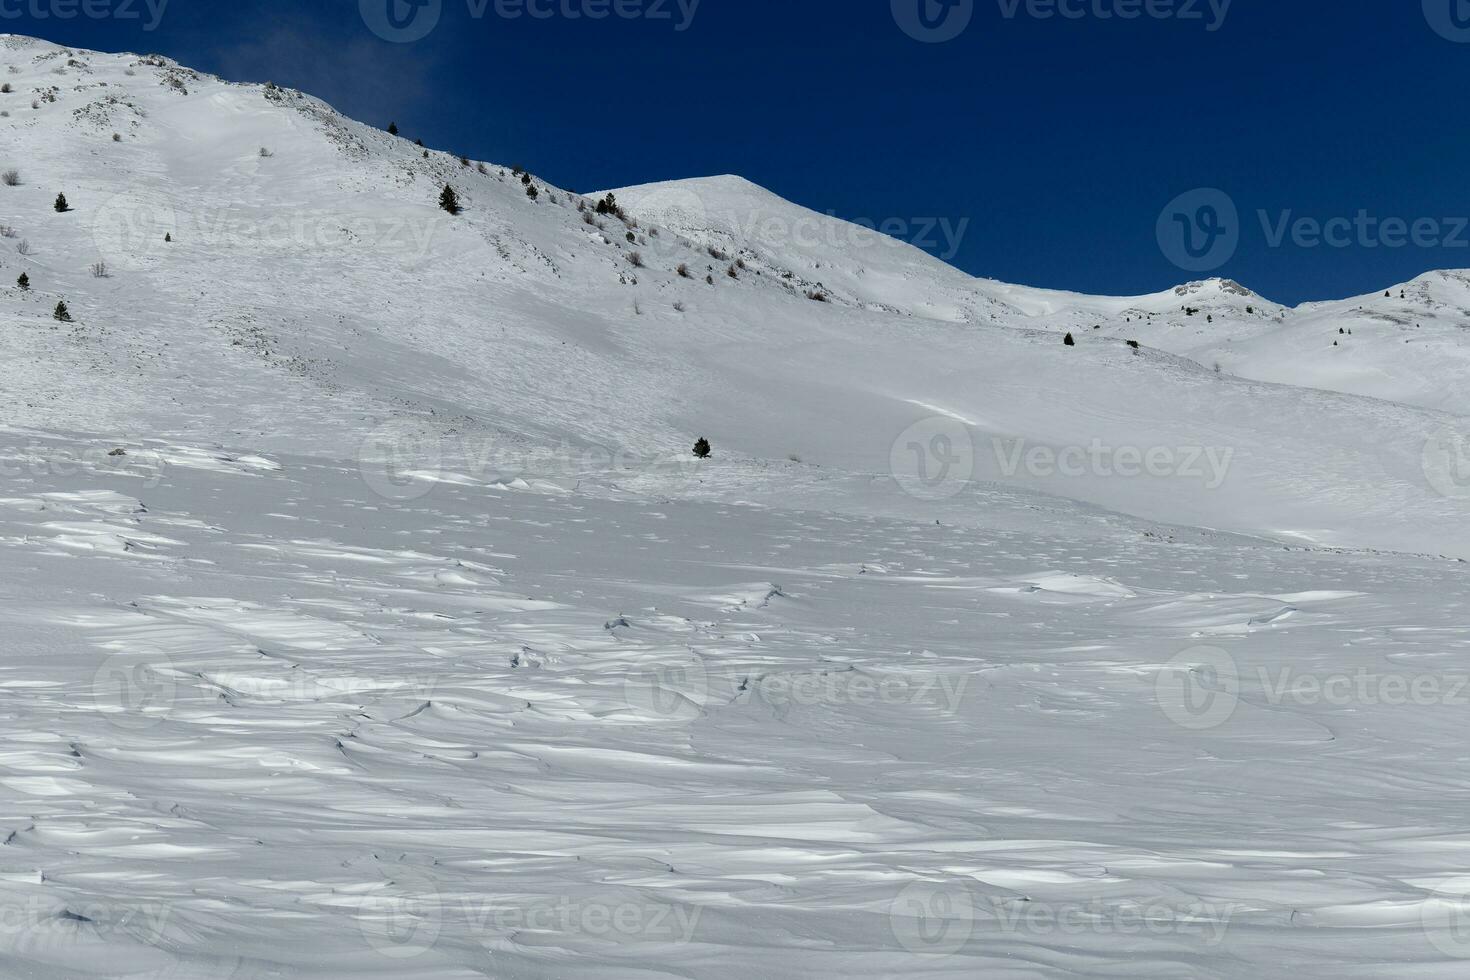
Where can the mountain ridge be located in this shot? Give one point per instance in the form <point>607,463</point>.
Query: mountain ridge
<point>314,295</point>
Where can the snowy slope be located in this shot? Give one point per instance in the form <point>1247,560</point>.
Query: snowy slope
<point>404,637</point>
<point>498,733</point>
<point>324,279</point>
<point>1410,345</point>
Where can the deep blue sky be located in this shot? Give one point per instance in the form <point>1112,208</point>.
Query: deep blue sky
<point>1061,140</point>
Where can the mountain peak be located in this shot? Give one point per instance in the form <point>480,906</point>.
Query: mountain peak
<point>1227,287</point>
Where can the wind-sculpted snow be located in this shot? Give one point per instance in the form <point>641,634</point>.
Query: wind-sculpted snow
<point>366,613</point>
<point>295,729</point>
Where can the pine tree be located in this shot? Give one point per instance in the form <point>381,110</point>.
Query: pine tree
<point>392,129</point>
<point>449,201</point>
<point>24,282</point>
<point>61,312</point>
<point>701,448</point>
<point>61,204</point>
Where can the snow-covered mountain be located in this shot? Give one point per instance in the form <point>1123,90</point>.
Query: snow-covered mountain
<point>313,291</point>
<point>369,615</point>
<point>1214,322</point>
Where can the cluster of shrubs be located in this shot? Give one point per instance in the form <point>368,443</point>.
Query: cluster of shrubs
<point>609,206</point>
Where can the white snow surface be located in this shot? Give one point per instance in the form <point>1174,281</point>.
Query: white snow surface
<point>365,613</point>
